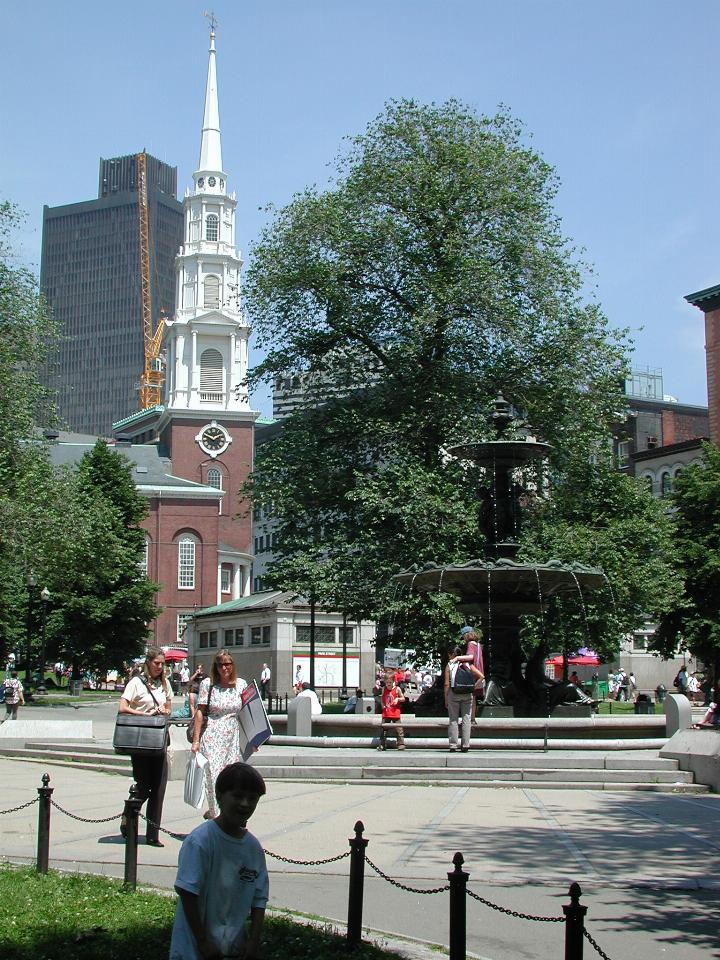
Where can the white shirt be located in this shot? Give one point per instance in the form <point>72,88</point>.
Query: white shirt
<point>315,706</point>
<point>229,877</point>
<point>139,697</point>
<point>264,674</point>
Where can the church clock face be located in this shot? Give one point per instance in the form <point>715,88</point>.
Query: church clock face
<point>214,439</point>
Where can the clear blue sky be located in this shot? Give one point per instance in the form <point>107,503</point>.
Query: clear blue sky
<point>621,97</point>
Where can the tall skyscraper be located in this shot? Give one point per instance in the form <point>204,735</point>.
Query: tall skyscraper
<point>90,275</point>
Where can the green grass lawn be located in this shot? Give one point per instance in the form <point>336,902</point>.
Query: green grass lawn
<point>76,917</point>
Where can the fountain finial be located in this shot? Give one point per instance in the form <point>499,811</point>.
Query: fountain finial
<point>502,414</point>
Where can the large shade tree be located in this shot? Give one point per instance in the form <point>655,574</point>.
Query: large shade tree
<point>694,620</point>
<point>27,333</point>
<point>76,531</point>
<point>431,274</point>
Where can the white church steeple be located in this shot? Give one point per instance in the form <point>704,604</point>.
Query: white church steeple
<point>207,339</point>
<point>210,148</point>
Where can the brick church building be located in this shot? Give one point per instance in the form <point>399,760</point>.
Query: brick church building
<point>191,453</point>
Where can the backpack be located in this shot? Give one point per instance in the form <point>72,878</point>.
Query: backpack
<point>462,680</point>
<point>676,682</point>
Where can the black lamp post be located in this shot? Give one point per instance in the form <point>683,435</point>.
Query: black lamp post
<point>31,587</point>
<point>45,598</point>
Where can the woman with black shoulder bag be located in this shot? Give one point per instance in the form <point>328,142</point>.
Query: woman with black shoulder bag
<point>149,693</point>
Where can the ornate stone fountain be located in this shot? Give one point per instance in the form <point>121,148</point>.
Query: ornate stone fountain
<point>497,591</point>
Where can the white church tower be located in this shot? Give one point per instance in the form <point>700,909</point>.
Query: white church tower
<point>206,342</point>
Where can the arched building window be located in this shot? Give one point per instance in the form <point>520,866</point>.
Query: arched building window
<point>666,484</point>
<point>214,478</point>
<point>211,292</point>
<point>186,562</point>
<point>211,227</point>
<point>145,559</point>
<point>211,375</point>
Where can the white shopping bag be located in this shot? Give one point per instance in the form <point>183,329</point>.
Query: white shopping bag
<point>195,780</point>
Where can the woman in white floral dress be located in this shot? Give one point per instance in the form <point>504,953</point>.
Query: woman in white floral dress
<point>219,700</point>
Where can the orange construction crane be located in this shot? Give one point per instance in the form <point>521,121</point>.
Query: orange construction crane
<point>152,375</point>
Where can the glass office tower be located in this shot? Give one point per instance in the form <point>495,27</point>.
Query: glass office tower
<point>90,275</point>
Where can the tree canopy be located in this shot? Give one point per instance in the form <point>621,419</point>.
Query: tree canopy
<point>694,620</point>
<point>75,530</point>
<point>430,275</point>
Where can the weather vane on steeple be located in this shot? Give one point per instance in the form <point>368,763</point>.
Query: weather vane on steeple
<point>210,14</point>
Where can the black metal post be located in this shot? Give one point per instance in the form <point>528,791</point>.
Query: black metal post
<point>45,792</point>
<point>574,924</point>
<point>312,639</point>
<point>45,599</point>
<point>31,587</point>
<point>344,655</point>
<point>130,814</point>
<point>357,883</point>
<point>458,908</point>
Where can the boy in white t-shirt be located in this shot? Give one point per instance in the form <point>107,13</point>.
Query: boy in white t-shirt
<point>222,878</point>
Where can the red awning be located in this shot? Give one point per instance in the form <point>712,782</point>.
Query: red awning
<point>584,661</point>
<point>172,656</point>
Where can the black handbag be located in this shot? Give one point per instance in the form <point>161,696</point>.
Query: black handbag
<point>141,733</point>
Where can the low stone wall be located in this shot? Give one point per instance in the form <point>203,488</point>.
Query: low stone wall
<point>697,751</point>
<point>567,728</point>
<point>22,730</point>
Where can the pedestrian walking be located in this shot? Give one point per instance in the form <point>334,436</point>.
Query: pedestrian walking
<point>265,677</point>
<point>149,692</point>
<point>219,700</point>
<point>14,696</point>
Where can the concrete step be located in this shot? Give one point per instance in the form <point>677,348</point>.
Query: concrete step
<point>471,773</point>
<point>68,754</point>
<point>477,759</point>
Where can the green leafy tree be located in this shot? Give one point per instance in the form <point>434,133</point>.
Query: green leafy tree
<point>27,334</point>
<point>602,518</point>
<point>78,532</point>
<point>109,601</point>
<point>432,274</point>
<point>695,618</point>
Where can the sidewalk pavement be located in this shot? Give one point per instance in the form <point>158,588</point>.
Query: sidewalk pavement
<point>642,860</point>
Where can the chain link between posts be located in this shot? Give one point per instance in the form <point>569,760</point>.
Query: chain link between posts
<point>74,816</point>
<point>402,886</point>
<point>593,943</point>
<point>513,913</point>
<point>307,863</point>
<point>23,806</point>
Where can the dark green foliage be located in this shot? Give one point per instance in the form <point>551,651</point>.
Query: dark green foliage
<point>695,618</point>
<point>603,518</point>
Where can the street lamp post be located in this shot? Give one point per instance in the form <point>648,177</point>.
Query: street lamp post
<point>31,587</point>
<point>45,597</point>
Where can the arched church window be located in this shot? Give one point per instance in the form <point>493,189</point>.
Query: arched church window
<point>211,293</point>
<point>666,484</point>
<point>186,562</point>
<point>214,478</point>
<point>212,226</point>
<point>211,374</point>
<point>144,560</point>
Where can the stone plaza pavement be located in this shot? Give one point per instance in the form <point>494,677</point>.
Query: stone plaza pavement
<point>645,861</point>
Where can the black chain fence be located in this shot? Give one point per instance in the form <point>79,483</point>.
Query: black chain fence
<point>513,913</point>
<point>575,931</point>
